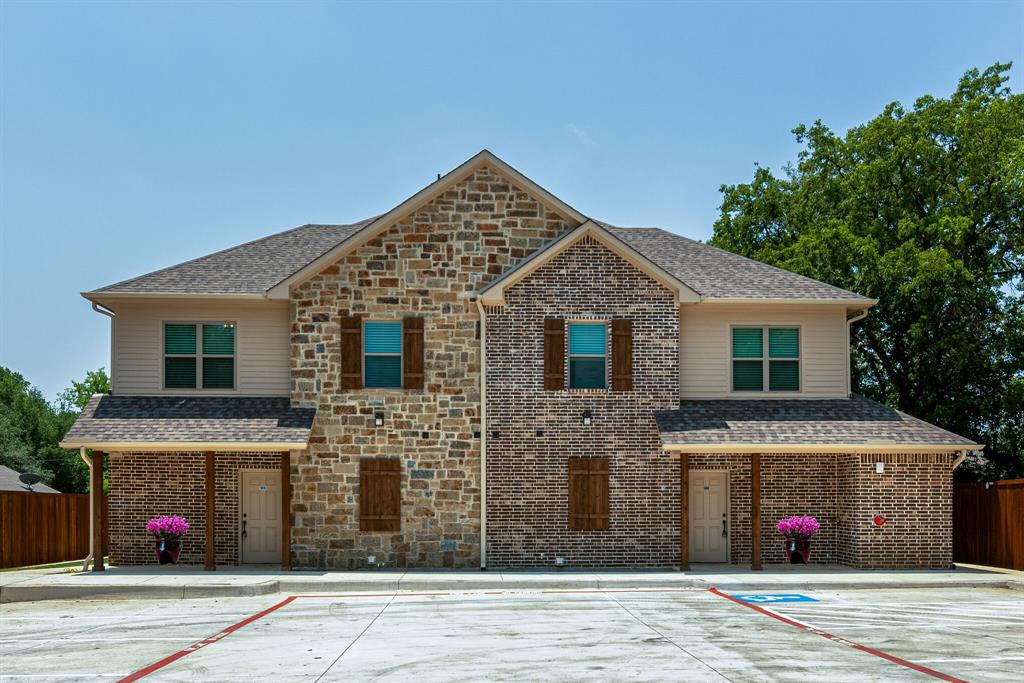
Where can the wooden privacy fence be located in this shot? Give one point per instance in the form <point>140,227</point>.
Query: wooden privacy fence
<point>40,528</point>
<point>988,523</point>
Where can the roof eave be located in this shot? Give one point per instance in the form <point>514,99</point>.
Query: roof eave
<point>162,446</point>
<point>888,447</point>
<point>100,296</point>
<point>849,302</point>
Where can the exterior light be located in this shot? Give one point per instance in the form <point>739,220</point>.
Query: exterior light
<point>588,419</point>
<point>378,419</point>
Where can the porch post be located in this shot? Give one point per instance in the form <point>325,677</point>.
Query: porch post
<point>211,526</point>
<point>96,491</point>
<point>286,511</point>
<point>684,512</point>
<point>755,510</point>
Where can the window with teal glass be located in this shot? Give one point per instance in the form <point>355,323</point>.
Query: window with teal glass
<point>199,356</point>
<point>765,357</point>
<point>382,354</point>
<point>783,359</point>
<point>587,348</point>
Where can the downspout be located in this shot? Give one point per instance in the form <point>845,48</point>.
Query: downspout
<point>850,321</point>
<point>92,501</point>
<point>483,435</point>
<point>103,310</point>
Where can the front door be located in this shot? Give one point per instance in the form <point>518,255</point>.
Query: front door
<point>709,516</point>
<point>261,517</point>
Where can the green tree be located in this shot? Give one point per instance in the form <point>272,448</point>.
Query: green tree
<point>74,398</point>
<point>922,209</point>
<point>31,428</point>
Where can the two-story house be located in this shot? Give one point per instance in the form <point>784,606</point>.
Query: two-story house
<point>484,376</point>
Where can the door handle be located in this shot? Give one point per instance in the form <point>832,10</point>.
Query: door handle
<point>244,532</point>
<point>725,528</point>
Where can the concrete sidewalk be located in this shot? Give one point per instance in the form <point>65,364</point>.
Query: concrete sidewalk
<point>191,582</point>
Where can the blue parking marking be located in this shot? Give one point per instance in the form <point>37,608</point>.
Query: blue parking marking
<point>774,597</point>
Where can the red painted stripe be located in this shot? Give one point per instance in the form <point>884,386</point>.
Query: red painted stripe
<point>203,643</point>
<point>849,643</point>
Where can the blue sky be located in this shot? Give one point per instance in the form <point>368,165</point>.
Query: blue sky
<point>137,135</point>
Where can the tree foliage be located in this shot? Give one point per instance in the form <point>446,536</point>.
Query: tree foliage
<point>31,428</point>
<point>922,209</point>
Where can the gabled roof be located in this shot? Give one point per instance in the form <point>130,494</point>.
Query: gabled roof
<point>493,294</point>
<point>267,267</point>
<point>841,425</point>
<point>378,226</point>
<point>719,274</point>
<point>209,423</point>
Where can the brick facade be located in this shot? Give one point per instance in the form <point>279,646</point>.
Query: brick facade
<point>537,430</point>
<point>144,485</point>
<point>430,264</point>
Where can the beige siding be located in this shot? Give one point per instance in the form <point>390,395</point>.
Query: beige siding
<point>262,345</point>
<point>705,347</point>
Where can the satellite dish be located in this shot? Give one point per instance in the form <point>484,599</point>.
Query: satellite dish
<point>28,479</point>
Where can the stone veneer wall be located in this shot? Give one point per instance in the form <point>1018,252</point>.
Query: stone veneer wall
<point>527,469</point>
<point>144,485</point>
<point>429,264</point>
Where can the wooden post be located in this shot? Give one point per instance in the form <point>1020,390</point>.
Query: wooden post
<point>211,525</point>
<point>96,491</point>
<point>755,510</point>
<point>286,511</point>
<point>684,512</point>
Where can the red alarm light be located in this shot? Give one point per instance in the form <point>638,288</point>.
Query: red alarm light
<point>880,520</point>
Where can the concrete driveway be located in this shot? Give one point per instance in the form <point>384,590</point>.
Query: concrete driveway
<point>692,635</point>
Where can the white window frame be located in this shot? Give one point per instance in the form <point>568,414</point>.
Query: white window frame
<point>766,358</point>
<point>198,355</point>
<point>400,354</point>
<point>569,355</point>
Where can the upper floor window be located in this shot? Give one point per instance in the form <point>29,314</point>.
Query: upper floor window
<point>199,356</point>
<point>382,354</point>
<point>587,349</point>
<point>752,370</point>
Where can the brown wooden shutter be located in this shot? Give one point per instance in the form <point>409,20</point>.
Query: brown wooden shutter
<point>554,354</point>
<point>588,494</point>
<point>622,355</point>
<point>351,352</point>
<point>380,494</point>
<point>412,353</point>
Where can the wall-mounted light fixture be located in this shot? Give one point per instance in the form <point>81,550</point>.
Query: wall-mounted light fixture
<point>588,418</point>
<point>378,419</point>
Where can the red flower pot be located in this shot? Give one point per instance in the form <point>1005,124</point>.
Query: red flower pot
<point>798,551</point>
<point>167,550</point>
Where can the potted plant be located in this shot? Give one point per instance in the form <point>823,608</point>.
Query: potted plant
<point>798,532</point>
<point>167,530</point>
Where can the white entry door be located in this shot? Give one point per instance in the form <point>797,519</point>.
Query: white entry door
<point>261,517</point>
<point>709,516</point>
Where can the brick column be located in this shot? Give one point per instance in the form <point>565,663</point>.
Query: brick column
<point>211,526</point>
<point>286,510</point>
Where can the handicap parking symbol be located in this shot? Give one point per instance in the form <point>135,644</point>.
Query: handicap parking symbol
<point>775,597</point>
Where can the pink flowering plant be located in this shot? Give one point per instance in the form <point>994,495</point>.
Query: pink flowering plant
<point>801,528</point>
<point>167,527</point>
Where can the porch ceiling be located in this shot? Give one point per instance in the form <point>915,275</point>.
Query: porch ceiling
<point>190,423</point>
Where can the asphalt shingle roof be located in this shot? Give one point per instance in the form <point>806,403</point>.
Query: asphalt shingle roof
<point>720,274</point>
<point>250,268</point>
<point>212,419</point>
<point>9,482</point>
<point>854,420</point>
